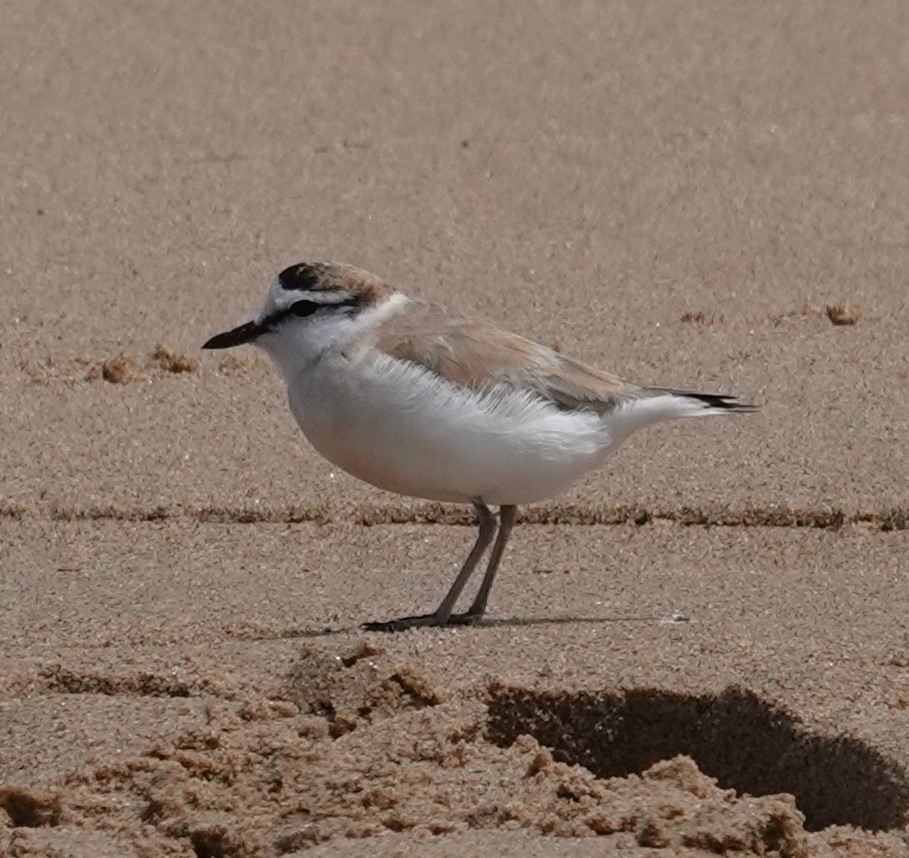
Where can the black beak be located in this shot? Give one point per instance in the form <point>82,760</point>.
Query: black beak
<point>237,337</point>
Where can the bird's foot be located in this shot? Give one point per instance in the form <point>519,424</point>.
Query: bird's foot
<point>468,618</point>
<point>423,620</point>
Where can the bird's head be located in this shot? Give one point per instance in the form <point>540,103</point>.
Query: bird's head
<point>309,307</point>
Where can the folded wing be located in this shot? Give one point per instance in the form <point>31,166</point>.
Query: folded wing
<point>481,356</point>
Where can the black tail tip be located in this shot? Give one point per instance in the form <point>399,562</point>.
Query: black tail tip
<point>721,402</point>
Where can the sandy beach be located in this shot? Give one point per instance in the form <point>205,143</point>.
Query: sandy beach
<point>701,649</point>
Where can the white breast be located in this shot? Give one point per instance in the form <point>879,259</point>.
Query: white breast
<point>399,427</point>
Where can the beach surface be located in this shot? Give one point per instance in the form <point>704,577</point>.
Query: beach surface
<point>701,649</point>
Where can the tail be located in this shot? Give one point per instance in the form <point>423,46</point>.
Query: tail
<point>654,404</point>
<point>688,403</point>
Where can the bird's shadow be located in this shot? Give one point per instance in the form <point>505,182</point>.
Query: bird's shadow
<point>517,622</point>
<point>490,623</point>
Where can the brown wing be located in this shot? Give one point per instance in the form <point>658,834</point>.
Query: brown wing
<point>477,355</point>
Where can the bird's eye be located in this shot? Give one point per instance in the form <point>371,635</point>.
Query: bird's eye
<point>304,308</point>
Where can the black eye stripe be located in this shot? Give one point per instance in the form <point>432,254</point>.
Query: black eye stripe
<point>303,308</point>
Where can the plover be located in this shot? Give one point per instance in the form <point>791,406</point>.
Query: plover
<point>417,400</point>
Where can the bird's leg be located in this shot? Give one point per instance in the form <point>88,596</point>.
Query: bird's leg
<point>441,615</point>
<point>507,515</point>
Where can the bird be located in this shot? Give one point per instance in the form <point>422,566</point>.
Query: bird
<point>415,399</point>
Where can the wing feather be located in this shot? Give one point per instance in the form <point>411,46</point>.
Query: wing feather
<point>481,356</point>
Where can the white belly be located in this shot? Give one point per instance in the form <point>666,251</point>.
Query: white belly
<point>396,426</point>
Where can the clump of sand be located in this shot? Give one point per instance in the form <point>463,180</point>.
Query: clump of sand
<point>361,744</point>
<point>171,362</point>
<point>843,314</point>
